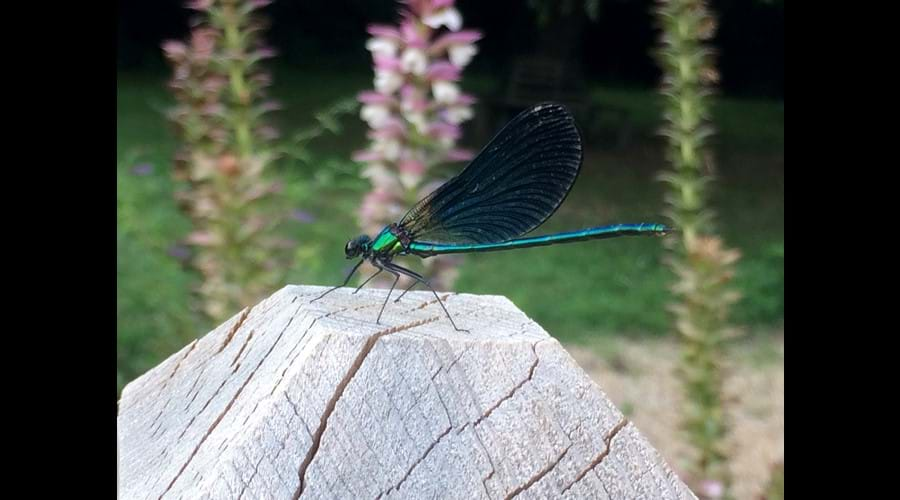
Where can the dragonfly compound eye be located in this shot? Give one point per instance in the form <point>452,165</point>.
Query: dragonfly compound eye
<point>351,249</point>
<point>356,246</point>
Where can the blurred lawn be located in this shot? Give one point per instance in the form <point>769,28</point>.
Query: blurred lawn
<point>576,292</point>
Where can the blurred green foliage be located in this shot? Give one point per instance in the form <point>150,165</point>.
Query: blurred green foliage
<point>775,489</point>
<point>153,317</point>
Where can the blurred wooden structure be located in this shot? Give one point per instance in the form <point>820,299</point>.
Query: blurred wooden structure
<point>292,399</point>
<point>535,79</point>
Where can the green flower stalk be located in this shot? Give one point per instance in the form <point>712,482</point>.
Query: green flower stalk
<point>225,154</point>
<point>703,266</point>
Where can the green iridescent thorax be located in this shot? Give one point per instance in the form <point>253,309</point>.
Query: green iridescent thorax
<point>386,242</point>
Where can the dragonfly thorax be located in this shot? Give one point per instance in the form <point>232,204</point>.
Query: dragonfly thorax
<point>362,244</point>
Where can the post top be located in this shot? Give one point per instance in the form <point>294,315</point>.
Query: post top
<point>298,399</point>
<point>487,317</point>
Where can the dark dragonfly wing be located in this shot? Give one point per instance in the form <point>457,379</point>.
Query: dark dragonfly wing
<point>514,184</point>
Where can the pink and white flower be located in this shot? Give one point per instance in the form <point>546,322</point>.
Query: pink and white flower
<point>416,110</point>
<point>375,115</point>
<point>382,46</point>
<point>414,61</point>
<point>458,114</point>
<point>445,92</point>
<point>411,172</point>
<point>460,46</point>
<point>449,17</point>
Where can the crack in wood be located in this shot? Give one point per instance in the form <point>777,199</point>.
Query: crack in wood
<point>208,401</point>
<point>177,365</point>
<point>437,391</point>
<point>225,411</point>
<point>339,391</point>
<point>487,455</point>
<point>607,440</point>
<point>281,448</point>
<point>428,303</point>
<point>488,478</point>
<point>278,454</point>
<point>275,385</point>
<point>252,475</point>
<point>514,389</point>
<point>153,425</point>
<point>194,386</point>
<point>392,460</point>
<point>166,383</point>
<point>235,328</point>
<point>205,436</point>
<point>244,346</point>
<point>537,477</point>
<point>404,414</point>
<point>294,407</point>
<point>603,485</point>
<point>484,481</point>
<point>290,354</point>
<point>639,483</point>
<point>376,455</point>
<point>454,362</point>
<point>421,459</point>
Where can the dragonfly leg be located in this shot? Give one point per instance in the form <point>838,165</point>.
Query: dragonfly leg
<point>368,280</point>
<point>410,287</point>
<point>420,279</point>
<point>342,285</point>
<point>396,279</point>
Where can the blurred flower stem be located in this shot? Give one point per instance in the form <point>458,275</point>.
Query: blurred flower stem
<point>225,153</point>
<point>703,266</point>
<point>414,114</point>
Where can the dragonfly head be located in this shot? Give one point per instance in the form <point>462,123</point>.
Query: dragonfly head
<point>359,245</point>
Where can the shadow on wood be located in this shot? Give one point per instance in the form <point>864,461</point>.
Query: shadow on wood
<point>293,399</point>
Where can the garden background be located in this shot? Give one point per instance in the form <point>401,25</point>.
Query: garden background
<point>607,301</point>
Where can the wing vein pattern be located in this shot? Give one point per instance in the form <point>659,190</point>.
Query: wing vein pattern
<point>514,184</point>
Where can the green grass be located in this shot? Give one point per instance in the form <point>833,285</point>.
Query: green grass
<point>746,124</point>
<point>153,318</point>
<point>577,292</point>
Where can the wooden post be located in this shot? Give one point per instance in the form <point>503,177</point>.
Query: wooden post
<point>292,399</point>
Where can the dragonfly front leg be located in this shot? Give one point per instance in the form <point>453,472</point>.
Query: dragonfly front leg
<point>342,285</point>
<point>368,280</point>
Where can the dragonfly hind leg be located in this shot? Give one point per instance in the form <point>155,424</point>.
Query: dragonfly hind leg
<point>391,267</point>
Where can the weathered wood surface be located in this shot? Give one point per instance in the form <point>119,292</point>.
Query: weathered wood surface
<point>290,399</point>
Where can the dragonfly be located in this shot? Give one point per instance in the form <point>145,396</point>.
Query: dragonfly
<point>509,189</point>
